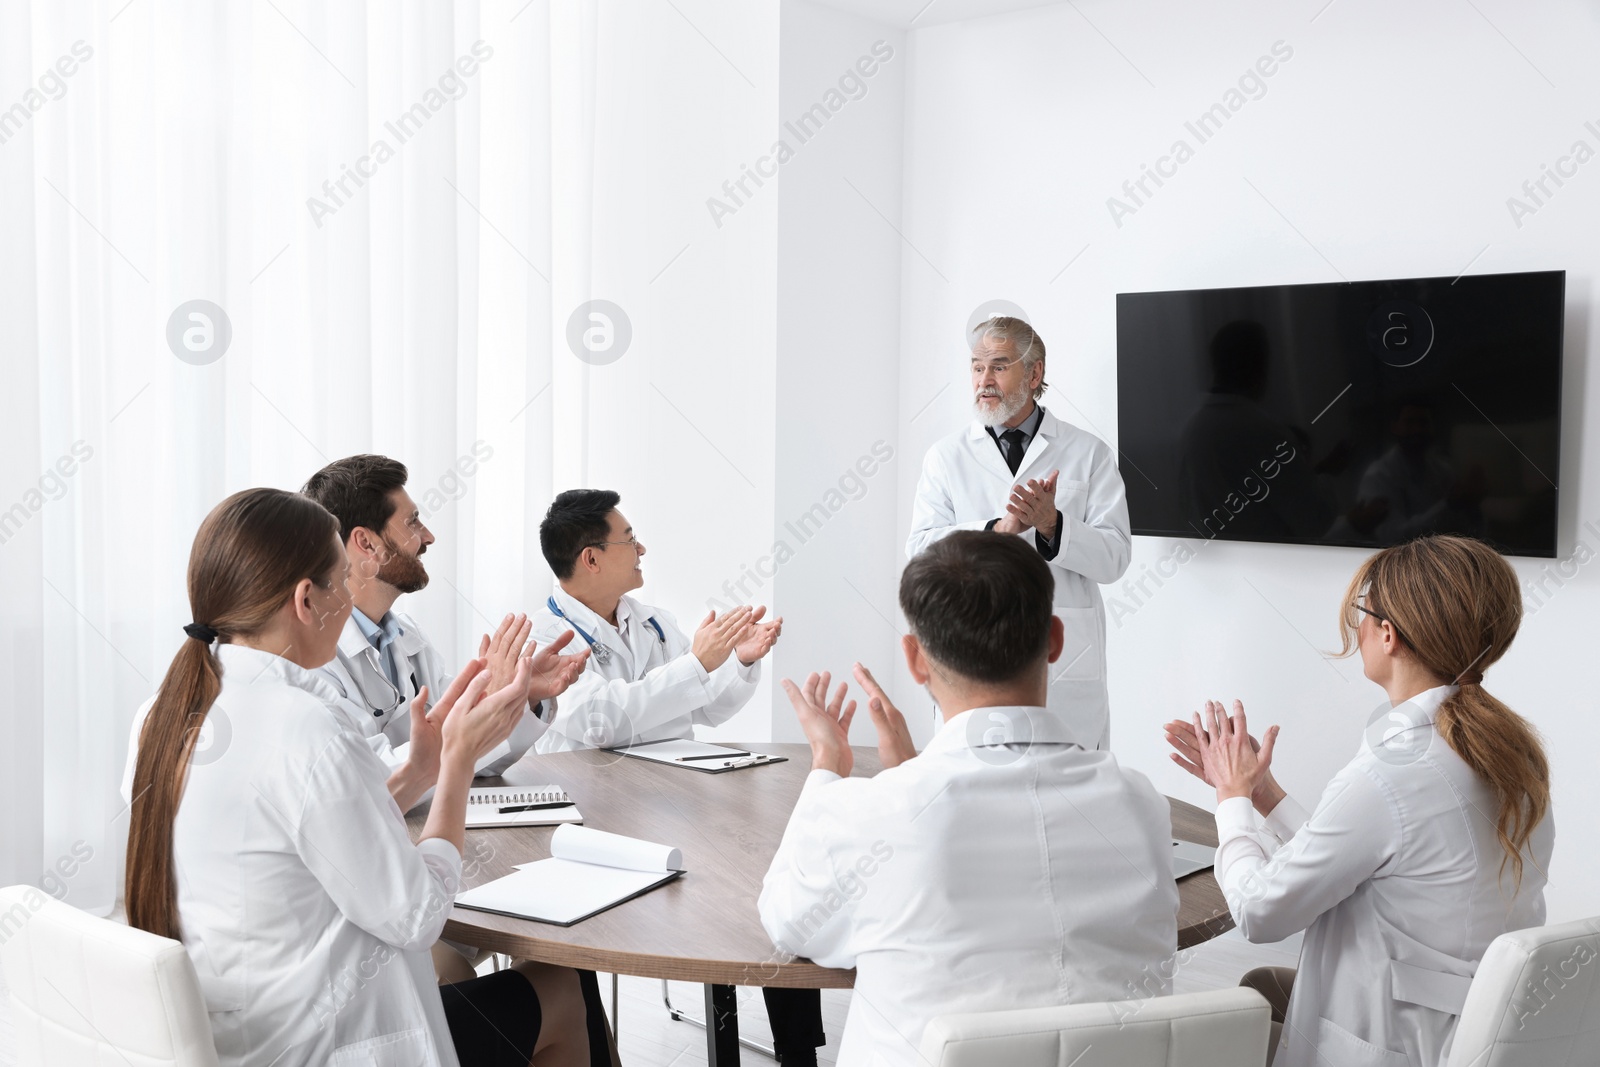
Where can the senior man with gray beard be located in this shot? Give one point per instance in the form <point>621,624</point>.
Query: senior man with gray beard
<point>1018,469</point>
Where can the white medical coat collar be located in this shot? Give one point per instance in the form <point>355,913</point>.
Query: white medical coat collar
<point>577,611</point>
<point>242,665</point>
<point>407,642</point>
<point>1427,702</point>
<point>978,438</point>
<point>1049,426</point>
<point>975,727</point>
<point>1417,713</point>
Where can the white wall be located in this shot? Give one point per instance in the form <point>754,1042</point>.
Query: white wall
<point>1385,147</point>
<point>838,343</point>
<point>681,425</point>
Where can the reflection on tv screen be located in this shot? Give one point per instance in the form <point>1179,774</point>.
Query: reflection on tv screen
<point>1361,413</point>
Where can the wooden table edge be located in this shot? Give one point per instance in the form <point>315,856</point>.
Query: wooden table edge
<point>796,974</point>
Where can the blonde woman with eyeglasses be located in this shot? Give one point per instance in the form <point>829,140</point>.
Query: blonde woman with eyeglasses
<point>1427,846</point>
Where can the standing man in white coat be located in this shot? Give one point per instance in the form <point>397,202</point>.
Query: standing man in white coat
<point>1005,866</point>
<point>384,659</point>
<point>1017,469</point>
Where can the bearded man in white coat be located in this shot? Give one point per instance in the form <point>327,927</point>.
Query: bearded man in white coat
<point>1018,469</point>
<point>385,660</point>
<point>1004,866</point>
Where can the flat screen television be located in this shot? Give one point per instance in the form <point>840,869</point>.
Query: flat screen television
<point>1359,413</point>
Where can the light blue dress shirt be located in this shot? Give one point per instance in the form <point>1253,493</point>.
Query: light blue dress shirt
<point>382,634</point>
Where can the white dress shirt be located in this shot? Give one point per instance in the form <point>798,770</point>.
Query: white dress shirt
<point>304,905</point>
<point>651,687</point>
<point>1003,867</point>
<point>965,484</point>
<point>1396,879</point>
<point>380,711</point>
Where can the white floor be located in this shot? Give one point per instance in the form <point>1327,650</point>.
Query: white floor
<point>649,1038</point>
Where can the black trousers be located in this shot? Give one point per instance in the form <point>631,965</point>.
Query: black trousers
<point>796,1016</point>
<point>495,1019</point>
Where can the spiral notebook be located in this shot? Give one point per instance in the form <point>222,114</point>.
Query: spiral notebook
<point>535,805</point>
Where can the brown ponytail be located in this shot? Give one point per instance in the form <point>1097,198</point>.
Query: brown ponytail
<point>1457,606</point>
<point>250,553</point>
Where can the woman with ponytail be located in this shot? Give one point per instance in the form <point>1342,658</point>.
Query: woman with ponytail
<point>274,852</point>
<point>1429,844</point>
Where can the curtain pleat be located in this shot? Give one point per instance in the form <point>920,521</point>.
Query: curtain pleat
<point>365,191</point>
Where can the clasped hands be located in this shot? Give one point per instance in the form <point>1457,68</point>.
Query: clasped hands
<point>1217,748</point>
<point>826,721</point>
<point>1032,507</point>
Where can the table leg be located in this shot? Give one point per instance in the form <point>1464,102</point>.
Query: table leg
<point>722,1026</point>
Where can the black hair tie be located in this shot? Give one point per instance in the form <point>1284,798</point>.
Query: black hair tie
<point>200,632</point>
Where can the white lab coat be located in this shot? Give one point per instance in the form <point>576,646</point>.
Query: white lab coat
<point>965,483</point>
<point>304,905</point>
<point>983,874</point>
<point>1396,880</point>
<point>652,688</point>
<point>381,713</point>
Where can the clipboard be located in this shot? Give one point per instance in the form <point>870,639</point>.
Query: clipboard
<point>697,755</point>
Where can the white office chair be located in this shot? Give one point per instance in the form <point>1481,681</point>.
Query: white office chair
<point>1224,1028</point>
<point>86,992</point>
<point>1534,1001</point>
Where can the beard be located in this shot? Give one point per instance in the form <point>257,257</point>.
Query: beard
<point>1011,404</point>
<point>403,571</point>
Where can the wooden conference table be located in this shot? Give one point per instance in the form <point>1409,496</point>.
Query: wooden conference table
<point>703,927</point>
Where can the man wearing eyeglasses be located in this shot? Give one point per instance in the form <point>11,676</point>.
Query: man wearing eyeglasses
<point>646,679</point>
<point>384,659</point>
<point>1018,469</point>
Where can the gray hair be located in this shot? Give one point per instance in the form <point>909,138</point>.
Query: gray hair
<point>1003,329</point>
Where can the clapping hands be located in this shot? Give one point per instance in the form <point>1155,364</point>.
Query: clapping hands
<point>758,637</point>
<point>1032,507</point>
<point>826,721</point>
<point>551,672</point>
<point>1217,749</point>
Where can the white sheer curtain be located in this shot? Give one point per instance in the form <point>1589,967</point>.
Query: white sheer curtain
<point>403,307</point>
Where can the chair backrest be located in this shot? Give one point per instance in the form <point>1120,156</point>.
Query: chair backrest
<point>1224,1028</point>
<point>86,992</point>
<point>1535,1000</point>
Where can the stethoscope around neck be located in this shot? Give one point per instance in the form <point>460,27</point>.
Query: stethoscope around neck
<point>600,652</point>
<point>392,700</point>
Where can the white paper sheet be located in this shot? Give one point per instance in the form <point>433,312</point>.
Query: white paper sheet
<point>583,844</point>
<point>589,871</point>
<point>560,891</point>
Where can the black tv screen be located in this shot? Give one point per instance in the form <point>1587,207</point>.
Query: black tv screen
<point>1360,413</point>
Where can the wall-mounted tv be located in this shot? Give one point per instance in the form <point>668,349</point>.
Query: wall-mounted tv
<point>1359,413</point>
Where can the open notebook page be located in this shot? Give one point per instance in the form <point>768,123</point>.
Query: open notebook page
<point>566,888</point>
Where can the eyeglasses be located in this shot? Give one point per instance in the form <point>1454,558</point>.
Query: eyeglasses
<point>1368,611</point>
<point>634,541</point>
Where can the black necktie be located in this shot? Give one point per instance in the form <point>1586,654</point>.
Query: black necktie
<point>1013,449</point>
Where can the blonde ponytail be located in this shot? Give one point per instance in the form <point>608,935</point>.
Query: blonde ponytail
<point>1457,606</point>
